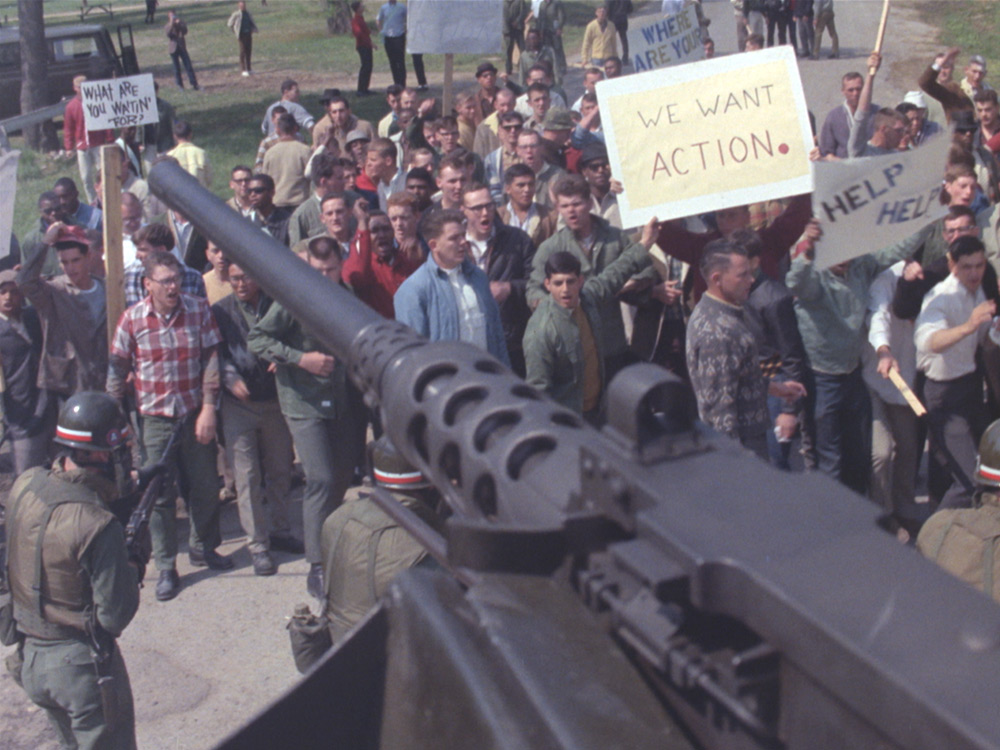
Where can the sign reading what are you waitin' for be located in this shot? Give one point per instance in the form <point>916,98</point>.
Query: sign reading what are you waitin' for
<point>707,135</point>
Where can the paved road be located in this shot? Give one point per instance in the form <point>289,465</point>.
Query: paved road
<point>202,664</point>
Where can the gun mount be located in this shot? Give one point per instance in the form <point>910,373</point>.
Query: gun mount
<point>651,585</point>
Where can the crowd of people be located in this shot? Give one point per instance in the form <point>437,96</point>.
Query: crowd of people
<point>498,224</point>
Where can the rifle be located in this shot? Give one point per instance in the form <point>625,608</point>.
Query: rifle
<point>651,585</point>
<point>150,484</point>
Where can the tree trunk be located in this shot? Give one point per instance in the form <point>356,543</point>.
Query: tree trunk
<point>339,21</point>
<point>34,78</point>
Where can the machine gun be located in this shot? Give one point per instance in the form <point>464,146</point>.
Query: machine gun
<point>150,485</point>
<point>647,586</point>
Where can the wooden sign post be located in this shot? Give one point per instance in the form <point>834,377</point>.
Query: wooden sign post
<point>111,203</point>
<point>448,95</point>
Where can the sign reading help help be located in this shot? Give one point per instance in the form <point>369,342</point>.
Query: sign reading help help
<point>119,102</point>
<point>870,203</point>
<point>713,134</point>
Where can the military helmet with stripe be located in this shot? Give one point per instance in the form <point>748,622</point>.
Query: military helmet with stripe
<point>93,421</point>
<point>392,471</point>
<point>988,462</point>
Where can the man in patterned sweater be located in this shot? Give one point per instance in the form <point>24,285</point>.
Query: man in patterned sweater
<point>722,353</point>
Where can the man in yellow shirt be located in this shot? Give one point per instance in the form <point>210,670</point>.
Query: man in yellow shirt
<point>599,40</point>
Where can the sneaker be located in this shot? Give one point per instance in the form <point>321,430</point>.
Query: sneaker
<point>263,565</point>
<point>245,74</point>
<point>168,586</point>
<point>287,543</point>
<point>423,88</point>
<point>209,559</point>
<point>314,581</point>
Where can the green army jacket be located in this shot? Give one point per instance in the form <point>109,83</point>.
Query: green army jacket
<point>610,243</point>
<point>280,338</point>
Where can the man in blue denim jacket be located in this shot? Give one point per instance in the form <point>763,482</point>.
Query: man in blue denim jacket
<point>448,298</point>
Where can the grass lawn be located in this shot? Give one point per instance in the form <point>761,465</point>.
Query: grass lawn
<point>226,114</point>
<point>971,25</point>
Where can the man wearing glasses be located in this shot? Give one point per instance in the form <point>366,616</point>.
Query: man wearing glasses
<point>501,159</point>
<point>169,342</point>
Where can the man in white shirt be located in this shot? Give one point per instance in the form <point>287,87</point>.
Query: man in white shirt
<point>953,321</point>
<point>895,435</point>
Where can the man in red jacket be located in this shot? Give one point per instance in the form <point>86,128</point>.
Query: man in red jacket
<point>85,142</point>
<point>363,44</point>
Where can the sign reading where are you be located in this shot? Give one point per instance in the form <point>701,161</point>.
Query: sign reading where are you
<point>657,42</point>
<point>119,102</point>
<point>713,134</point>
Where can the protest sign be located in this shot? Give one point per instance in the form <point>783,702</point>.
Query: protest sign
<point>435,27</point>
<point>713,134</point>
<point>8,191</point>
<point>119,102</point>
<point>867,204</point>
<point>656,42</point>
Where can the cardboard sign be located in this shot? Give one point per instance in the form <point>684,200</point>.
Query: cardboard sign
<point>659,42</point>
<point>8,191</point>
<point>436,27</point>
<point>870,203</point>
<point>119,102</point>
<point>713,134</point>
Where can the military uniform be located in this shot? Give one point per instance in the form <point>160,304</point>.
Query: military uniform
<point>68,569</point>
<point>364,549</point>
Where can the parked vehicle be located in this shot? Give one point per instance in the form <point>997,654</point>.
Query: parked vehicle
<point>78,49</point>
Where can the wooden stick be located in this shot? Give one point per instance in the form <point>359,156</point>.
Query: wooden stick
<point>881,32</point>
<point>111,203</point>
<point>910,396</point>
<point>446,96</point>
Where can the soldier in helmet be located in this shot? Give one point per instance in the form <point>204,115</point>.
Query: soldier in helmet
<point>962,540</point>
<point>363,549</point>
<point>75,584</point>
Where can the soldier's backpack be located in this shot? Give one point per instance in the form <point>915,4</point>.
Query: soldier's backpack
<point>363,550</point>
<point>966,543</point>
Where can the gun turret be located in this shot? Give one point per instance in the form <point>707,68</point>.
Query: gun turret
<point>649,585</point>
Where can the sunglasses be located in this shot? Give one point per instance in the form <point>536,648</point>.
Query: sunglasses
<point>258,190</point>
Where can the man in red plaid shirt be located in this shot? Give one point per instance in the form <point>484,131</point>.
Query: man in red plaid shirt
<point>169,342</point>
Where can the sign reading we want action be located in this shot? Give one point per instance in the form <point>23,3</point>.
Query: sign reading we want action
<point>713,134</point>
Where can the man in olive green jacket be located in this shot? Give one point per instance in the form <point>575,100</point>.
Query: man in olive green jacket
<point>562,343</point>
<point>596,244</point>
<point>319,405</point>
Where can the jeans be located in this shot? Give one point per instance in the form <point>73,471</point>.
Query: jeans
<point>198,482</point>
<point>842,415</point>
<point>365,71</point>
<point>777,452</point>
<point>807,34</point>
<point>181,55</point>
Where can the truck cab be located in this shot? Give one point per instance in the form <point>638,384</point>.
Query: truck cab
<point>77,49</point>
